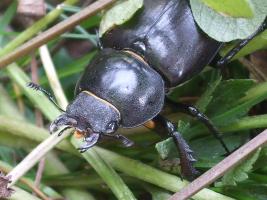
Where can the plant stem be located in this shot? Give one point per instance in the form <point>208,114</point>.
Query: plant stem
<point>154,176</point>
<point>7,168</point>
<point>52,32</point>
<point>35,28</point>
<point>31,159</point>
<point>245,123</point>
<point>32,132</point>
<point>22,194</point>
<point>106,172</point>
<point>222,167</point>
<point>52,76</point>
<point>126,165</point>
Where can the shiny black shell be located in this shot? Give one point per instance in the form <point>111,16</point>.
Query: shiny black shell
<point>165,34</point>
<point>126,82</point>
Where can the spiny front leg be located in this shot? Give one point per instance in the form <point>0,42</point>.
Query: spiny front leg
<point>166,128</point>
<point>186,154</point>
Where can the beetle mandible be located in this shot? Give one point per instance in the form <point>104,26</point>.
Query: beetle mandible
<point>124,85</point>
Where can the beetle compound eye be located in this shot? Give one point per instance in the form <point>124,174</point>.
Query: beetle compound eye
<point>112,127</point>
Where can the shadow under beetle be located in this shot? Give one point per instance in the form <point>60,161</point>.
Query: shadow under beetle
<point>124,85</point>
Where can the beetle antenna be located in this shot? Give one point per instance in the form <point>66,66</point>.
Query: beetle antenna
<point>47,94</point>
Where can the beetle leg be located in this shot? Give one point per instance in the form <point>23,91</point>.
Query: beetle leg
<point>125,141</point>
<point>224,60</point>
<point>163,127</point>
<point>194,112</point>
<point>89,141</point>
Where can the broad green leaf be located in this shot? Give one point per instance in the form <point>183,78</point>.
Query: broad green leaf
<point>227,93</point>
<point>213,149</point>
<point>121,12</point>
<point>225,28</point>
<point>236,8</point>
<point>240,173</point>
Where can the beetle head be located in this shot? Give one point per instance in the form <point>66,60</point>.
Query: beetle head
<point>88,114</point>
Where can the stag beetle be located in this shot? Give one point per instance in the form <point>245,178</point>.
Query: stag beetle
<point>124,85</point>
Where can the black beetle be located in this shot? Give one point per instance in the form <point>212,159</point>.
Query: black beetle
<point>124,85</point>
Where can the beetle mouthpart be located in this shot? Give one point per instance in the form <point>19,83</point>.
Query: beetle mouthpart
<point>53,128</point>
<point>62,120</point>
<point>78,134</point>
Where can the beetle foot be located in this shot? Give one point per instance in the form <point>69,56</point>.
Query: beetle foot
<point>90,141</point>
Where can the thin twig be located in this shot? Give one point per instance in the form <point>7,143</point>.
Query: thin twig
<point>54,31</point>
<point>225,165</point>
<point>39,172</point>
<point>39,121</point>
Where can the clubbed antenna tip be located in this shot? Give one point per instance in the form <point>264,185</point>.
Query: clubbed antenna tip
<point>47,94</point>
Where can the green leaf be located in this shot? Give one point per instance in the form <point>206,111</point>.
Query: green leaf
<point>6,19</point>
<point>247,191</point>
<point>207,96</point>
<point>258,43</point>
<point>106,172</point>
<point>225,28</point>
<point>20,77</point>
<point>230,108</point>
<point>227,93</point>
<point>242,105</point>
<point>240,172</point>
<point>121,12</point>
<point>212,148</point>
<point>236,8</point>
<point>166,149</point>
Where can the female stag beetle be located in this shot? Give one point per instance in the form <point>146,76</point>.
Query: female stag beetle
<point>124,85</point>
